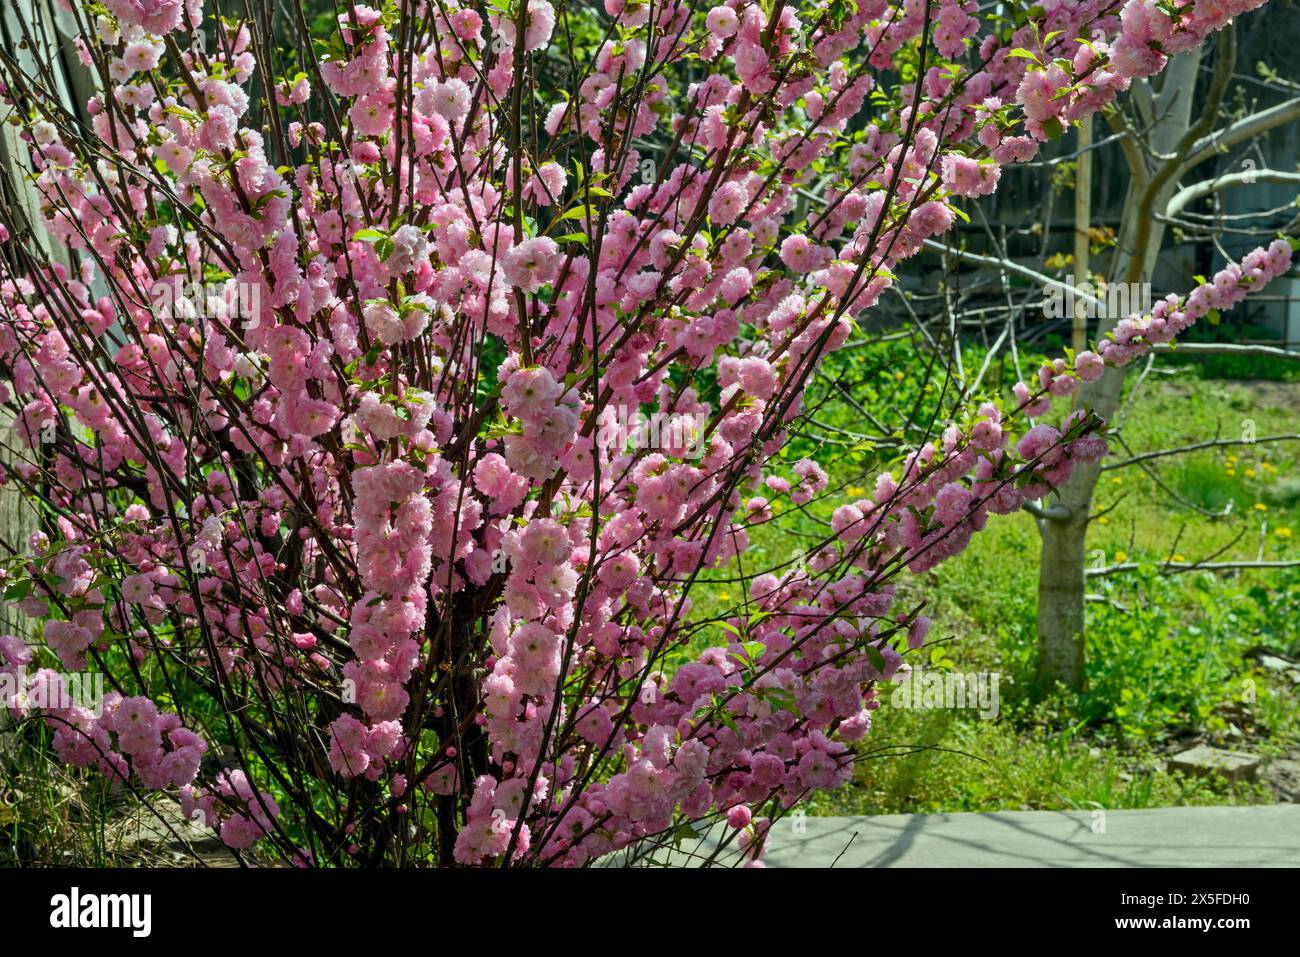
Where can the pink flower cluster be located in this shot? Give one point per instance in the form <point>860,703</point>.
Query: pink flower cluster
<point>548,414</point>
<point>393,534</point>
<point>241,813</point>
<point>123,737</point>
<point>1134,335</point>
<point>356,749</point>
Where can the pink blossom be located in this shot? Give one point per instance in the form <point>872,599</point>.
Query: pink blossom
<point>531,264</point>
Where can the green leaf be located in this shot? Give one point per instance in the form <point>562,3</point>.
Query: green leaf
<point>18,591</point>
<point>731,628</point>
<point>578,212</point>
<point>684,831</point>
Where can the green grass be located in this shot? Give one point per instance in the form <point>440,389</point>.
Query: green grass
<point>50,815</point>
<point>937,761</point>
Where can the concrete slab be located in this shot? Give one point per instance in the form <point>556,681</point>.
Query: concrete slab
<point>1256,836</point>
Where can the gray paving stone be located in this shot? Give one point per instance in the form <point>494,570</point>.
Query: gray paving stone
<point>1203,760</point>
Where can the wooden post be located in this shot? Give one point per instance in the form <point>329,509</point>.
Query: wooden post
<point>17,520</point>
<point>1082,220</point>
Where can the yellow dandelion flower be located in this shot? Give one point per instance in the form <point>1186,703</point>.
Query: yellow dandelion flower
<point>1261,507</point>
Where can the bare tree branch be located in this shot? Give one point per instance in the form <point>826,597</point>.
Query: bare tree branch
<point>1175,568</point>
<point>1239,131</point>
<point>1226,349</point>
<point>1050,513</point>
<point>1013,267</point>
<point>1214,443</point>
<point>1189,194</point>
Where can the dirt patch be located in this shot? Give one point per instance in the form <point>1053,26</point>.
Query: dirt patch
<point>1282,395</point>
<point>1257,392</point>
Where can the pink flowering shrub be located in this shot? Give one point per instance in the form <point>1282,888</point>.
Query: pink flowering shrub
<point>315,404</point>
